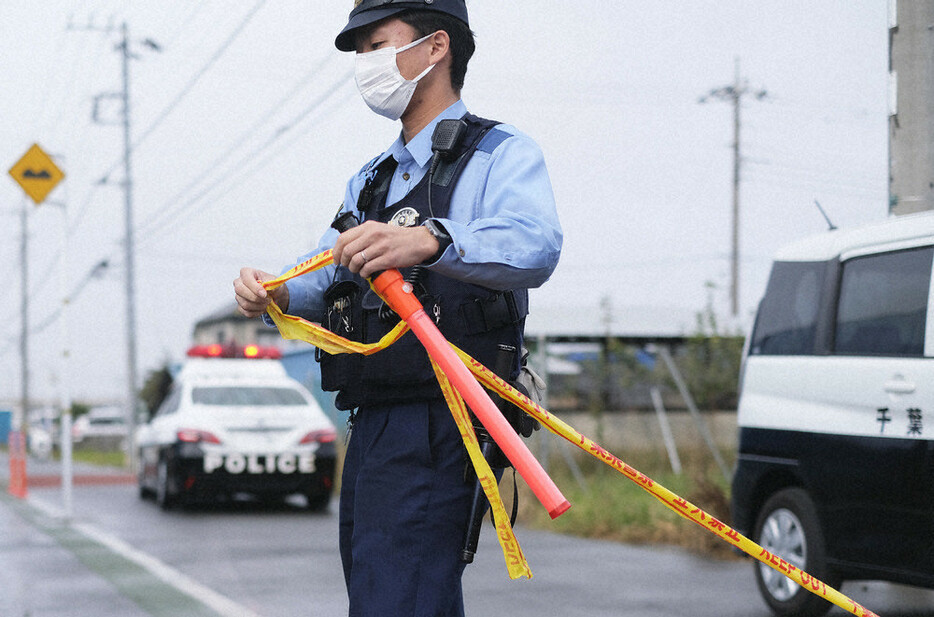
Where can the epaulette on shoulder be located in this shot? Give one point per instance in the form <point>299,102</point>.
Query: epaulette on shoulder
<point>493,138</point>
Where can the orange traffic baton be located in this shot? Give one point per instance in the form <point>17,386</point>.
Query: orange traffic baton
<point>400,296</point>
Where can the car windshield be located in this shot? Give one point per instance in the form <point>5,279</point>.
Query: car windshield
<point>246,396</point>
<point>106,420</point>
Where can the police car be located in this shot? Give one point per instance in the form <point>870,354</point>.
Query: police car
<point>835,469</point>
<point>236,425</point>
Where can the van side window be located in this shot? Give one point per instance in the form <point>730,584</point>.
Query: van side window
<point>787,319</point>
<point>883,304</point>
<point>171,403</point>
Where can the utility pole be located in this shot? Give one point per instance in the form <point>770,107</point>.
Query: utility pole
<point>20,425</point>
<point>734,94</point>
<point>129,252</point>
<point>911,101</point>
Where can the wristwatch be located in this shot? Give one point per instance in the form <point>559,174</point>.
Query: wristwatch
<point>441,235</point>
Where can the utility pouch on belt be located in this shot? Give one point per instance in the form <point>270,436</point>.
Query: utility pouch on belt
<point>530,384</point>
<point>520,421</point>
<point>343,316</point>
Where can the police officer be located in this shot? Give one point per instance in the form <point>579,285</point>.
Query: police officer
<point>467,213</point>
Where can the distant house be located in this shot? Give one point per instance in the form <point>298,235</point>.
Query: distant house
<point>229,326</point>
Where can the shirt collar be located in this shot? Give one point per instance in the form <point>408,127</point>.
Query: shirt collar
<point>419,148</point>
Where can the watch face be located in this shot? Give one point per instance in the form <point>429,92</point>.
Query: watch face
<point>406,217</point>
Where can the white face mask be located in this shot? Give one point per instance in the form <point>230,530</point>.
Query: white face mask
<point>381,84</point>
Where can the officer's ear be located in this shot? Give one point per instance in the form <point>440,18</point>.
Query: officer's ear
<point>440,46</point>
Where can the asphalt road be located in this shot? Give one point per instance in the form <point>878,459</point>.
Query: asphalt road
<point>121,556</point>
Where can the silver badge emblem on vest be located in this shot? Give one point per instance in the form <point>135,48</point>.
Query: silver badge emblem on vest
<point>406,217</point>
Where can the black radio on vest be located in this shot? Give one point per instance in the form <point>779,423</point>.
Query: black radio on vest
<point>445,139</point>
<point>444,142</point>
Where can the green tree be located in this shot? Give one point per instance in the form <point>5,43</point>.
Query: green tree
<point>79,409</point>
<point>155,389</point>
<point>710,363</point>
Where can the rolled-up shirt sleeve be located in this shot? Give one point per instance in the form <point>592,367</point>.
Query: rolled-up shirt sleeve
<point>510,236</point>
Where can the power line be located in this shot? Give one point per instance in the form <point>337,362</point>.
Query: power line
<point>270,156</point>
<point>165,217</point>
<point>156,225</point>
<point>197,77</point>
<point>94,272</point>
<point>218,53</point>
<point>153,229</point>
<point>165,214</point>
<point>198,6</point>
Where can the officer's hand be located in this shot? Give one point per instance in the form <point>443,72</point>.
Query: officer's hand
<point>252,297</point>
<point>373,247</point>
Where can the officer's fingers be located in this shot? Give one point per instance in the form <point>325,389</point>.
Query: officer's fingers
<point>249,312</point>
<point>398,247</point>
<point>250,300</point>
<point>280,295</point>
<point>337,250</point>
<point>251,280</point>
<point>352,253</point>
<point>371,261</point>
<point>343,250</point>
<point>248,304</point>
<point>358,261</point>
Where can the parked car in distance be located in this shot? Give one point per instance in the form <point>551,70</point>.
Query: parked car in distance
<point>102,427</point>
<point>39,439</point>
<point>236,425</point>
<point>835,470</point>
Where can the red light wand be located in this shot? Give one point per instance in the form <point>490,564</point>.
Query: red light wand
<point>399,295</point>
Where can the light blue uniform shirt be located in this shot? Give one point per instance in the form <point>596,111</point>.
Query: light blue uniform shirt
<point>502,217</point>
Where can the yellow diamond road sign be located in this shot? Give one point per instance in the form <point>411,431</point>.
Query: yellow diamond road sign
<point>36,173</point>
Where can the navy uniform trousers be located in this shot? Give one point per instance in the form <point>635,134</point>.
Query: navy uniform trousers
<point>404,507</point>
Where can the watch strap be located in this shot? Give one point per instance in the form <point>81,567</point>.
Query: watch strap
<point>441,235</point>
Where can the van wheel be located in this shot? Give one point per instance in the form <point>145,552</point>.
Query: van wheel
<point>788,527</point>
<point>165,496</point>
<point>144,491</point>
<point>318,502</point>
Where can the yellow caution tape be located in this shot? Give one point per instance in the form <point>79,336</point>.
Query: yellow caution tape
<point>516,564</point>
<point>296,328</point>
<point>292,327</point>
<point>671,500</point>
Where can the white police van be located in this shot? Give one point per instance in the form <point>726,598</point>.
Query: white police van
<point>236,424</point>
<point>835,467</point>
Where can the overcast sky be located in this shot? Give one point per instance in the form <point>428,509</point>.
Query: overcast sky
<point>248,124</point>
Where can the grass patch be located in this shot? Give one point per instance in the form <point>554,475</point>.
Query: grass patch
<point>613,507</point>
<point>101,458</point>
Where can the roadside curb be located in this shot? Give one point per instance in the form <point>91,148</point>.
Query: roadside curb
<point>55,480</point>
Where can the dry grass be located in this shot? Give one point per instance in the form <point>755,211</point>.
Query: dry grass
<point>612,507</point>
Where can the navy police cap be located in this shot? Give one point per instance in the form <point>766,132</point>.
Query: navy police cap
<point>366,12</point>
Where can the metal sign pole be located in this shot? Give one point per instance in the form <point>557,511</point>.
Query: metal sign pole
<point>65,392</point>
<point>37,175</point>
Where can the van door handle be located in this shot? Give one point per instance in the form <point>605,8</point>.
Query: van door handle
<point>899,385</point>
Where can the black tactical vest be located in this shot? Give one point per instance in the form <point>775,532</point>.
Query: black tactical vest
<point>476,319</point>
